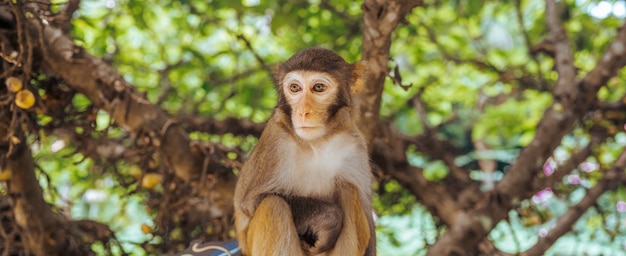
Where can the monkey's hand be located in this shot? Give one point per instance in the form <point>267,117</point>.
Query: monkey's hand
<point>247,204</point>
<point>318,223</point>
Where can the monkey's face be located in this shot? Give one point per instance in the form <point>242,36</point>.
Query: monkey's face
<point>310,95</point>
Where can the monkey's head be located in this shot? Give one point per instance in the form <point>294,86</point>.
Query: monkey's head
<point>313,86</point>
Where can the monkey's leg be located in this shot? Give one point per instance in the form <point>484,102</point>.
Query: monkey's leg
<point>355,235</point>
<point>271,231</point>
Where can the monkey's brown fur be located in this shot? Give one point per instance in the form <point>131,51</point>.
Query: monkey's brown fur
<point>318,223</point>
<point>291,185</point>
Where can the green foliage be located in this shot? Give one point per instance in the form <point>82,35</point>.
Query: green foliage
<point>408,234</point>
<point>82,190</point>
<point>468,62</point>
<point>392,199</point>
<point>435,171</point>
<point>512,123</point>
<point>456,55</point>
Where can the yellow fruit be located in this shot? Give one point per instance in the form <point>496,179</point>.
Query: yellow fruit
<point>25,99</point>
<point>14,84</point>
<point>135,171</point>
<point>146,229</point>
<point>150,180</point>
<point>154,162</point>
<point>176,234</point>
<point>15,140</point>
<point>5,175</point>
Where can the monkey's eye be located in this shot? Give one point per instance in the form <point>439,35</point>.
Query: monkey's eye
<point>295,87</point>
<point>319,87</point>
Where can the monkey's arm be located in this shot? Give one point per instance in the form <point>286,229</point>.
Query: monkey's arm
<point>245,202</point>
<point>244,209</point>
<point>355,235</point>
<point>271,230</point>
<point>253,180</point>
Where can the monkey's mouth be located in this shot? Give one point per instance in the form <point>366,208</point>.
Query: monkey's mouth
<point>308,127</point>
<point>309,132</point>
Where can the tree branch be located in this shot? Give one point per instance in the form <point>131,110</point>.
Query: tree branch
<point>235,126</point>
<point>44,229</point>
<point>31,211</point>
<point>557,120</point>
<point>387,147</point>
<point>389,155</point>
<point>529,46</point>
<point>380,20</point>
<point>572,162</point>
<point>107,90</point>
<point>68,10</point>
<point>572,100</point>
<point>563,169</point>
<point>611,178</point>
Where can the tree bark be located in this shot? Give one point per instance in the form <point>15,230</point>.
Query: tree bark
<point>49,50</point>
<point>44,232</point>
<point>32,213</point>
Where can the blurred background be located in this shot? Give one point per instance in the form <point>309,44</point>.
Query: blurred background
<point>476,76</point>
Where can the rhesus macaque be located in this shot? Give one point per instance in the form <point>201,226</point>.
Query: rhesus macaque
<point>306,186</point>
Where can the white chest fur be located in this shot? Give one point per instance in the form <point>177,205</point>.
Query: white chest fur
<point>312,171</point>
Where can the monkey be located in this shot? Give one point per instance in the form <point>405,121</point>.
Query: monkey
<point>311,161</point>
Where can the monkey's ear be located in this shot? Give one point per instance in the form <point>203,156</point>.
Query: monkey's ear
<point>276,74</point>
<point>359,70</point>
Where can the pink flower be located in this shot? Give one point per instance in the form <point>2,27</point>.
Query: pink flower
<point>548,167</point>
<point>573,179</point>
<point>588,166</point>
<point>621,206</point>
<point>543,195</point>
